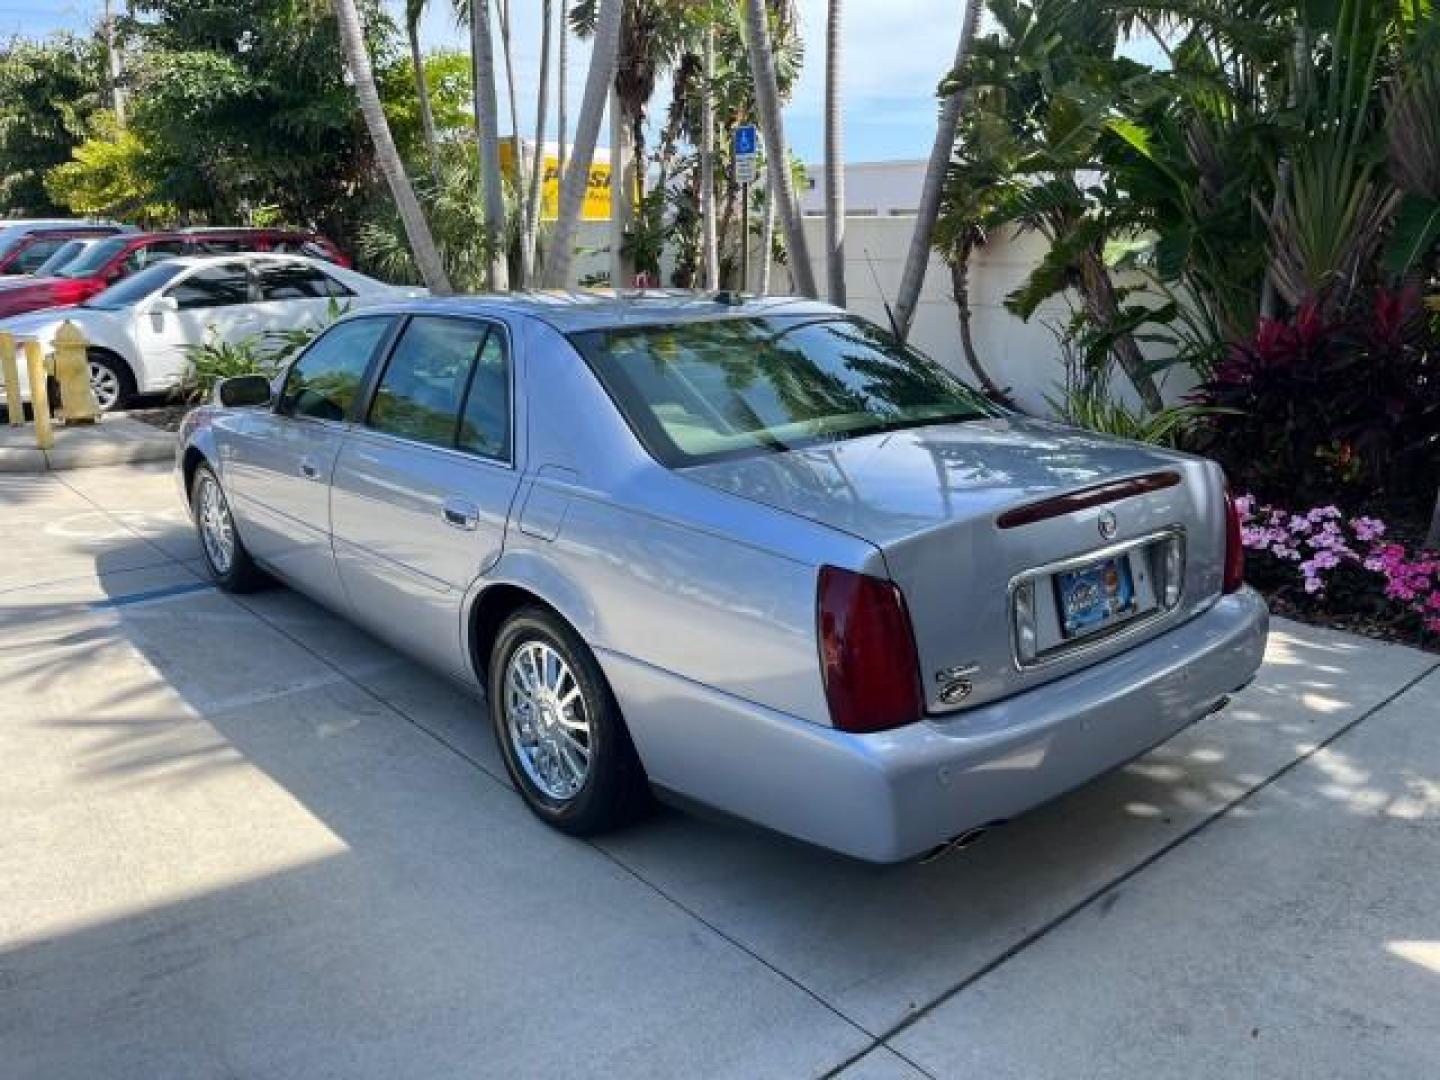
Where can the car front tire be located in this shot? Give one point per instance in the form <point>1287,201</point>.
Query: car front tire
<point>111,381</point>
<point>559,728</point>
<point>225,555</point>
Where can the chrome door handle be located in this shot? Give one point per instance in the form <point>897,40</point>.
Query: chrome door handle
<point>309,471</point>
<point>460,514</point>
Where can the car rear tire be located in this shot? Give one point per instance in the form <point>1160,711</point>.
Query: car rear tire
<point>229,563</point>
<point>560,729</point>
<point>111,381</point>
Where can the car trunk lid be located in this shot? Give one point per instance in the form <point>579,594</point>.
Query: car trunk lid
<point>965,514</point>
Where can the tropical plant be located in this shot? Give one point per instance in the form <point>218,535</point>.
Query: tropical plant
<point>216,359</point>
<point>1325,406</point>
<point>49,93</point>
<point>457,220</point>
<point>107,177</point>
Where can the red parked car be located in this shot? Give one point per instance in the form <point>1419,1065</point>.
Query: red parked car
<point>23,253</point>
<point>118,257</point>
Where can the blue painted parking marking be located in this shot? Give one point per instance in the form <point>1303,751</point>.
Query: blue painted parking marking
<point>153,594</point>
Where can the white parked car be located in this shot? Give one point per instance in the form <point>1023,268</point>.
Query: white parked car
<point>140,329</point>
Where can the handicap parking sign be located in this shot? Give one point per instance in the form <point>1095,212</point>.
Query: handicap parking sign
<point>747,141</point>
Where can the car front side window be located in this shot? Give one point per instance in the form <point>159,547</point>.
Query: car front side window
<point>324,382</point>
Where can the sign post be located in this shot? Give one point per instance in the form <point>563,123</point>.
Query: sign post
<point>747,154</point>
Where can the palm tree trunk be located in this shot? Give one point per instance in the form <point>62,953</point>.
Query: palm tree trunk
<point>537,161</point>
<point>422,95</point>
<point>917,259</point>
<point>517,156</point>
<point>604,48</point>
<point>710,244</point>
<point>562,93</point>
<point>622,193</point>
<point>777,153</point>
<point>767,245</point>
<point>427,258</point>
<point>1097,290</point>
<point>960,282</point>
<point>487,131</point>
<point>834,159</point>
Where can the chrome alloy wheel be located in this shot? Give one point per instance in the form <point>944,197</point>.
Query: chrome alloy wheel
<point>547,720</point>
<point>105,385</point>
<point>217,530</point>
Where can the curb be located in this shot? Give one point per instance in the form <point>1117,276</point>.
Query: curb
<point>122,443</point>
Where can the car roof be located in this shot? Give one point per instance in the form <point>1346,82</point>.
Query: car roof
<point>577,311</point>
<point>271,257</point>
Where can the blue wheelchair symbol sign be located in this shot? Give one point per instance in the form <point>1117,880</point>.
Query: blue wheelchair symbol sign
<point>746,140</point>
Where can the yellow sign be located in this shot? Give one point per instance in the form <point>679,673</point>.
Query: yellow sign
<point>597,191</point>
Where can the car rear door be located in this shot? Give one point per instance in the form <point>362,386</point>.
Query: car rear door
<point>296,296</point>
<point>424,482</point>
<point>279,462</point>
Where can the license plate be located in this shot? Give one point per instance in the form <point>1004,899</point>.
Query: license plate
<point>1095,597</point>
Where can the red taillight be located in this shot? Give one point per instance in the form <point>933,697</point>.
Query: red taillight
<point>1234,547</point>
<point>867,652</point>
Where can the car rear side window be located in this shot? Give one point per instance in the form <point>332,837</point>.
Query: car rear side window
<point>214,286</point>
<point>324,382</point>
<point>446,385</point>
<point>298,282</point>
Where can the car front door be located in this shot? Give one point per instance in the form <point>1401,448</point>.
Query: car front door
<point>423,485</point>
<point>279,462</point>
<point>212,303</point>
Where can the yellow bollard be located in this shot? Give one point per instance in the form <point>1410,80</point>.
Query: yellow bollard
<point>39,395</point>
<point>10,372</point>
<point>72,371</point>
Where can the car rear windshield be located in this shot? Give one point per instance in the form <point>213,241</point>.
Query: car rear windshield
<point>91,262</point>
<point>706,391</point>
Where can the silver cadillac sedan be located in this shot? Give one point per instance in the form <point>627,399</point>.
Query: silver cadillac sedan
<point>750,554</point>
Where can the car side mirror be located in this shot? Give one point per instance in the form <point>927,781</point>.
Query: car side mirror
<point>165,303</point>
<point>243,391</point>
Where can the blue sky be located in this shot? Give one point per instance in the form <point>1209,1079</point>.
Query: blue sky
<point>897,51</point>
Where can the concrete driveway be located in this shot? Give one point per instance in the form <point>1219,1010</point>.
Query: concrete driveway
<point>242,839</point>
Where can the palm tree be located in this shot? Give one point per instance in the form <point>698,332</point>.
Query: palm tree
<point>834,159</point>
<point>710,242</point>
<point>918,257</point>
<point>562,94</point>
<point>777,153</point>
<point>488,137</point>
<point>502,8</point>
<point>414,9</point>
<point>603,54</point>
<point>427,258</point>
<point>537,163</point>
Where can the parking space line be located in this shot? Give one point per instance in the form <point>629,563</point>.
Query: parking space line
<point>1144,864</point>
<point>151,595</point>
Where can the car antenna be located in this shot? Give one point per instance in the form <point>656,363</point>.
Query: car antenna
<point>885,300</point>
